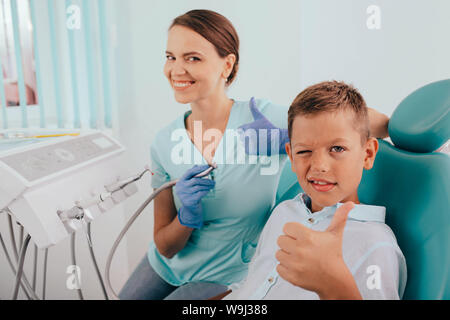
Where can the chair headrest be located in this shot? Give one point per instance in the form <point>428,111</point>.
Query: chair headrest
<point>421,122</point>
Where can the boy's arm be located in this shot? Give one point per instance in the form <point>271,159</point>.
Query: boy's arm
<point>382,274</point>
<point>378,124</point>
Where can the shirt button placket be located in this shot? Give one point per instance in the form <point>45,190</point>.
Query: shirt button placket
<point>266,285</point>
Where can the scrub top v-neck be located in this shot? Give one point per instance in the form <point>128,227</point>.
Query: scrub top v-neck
<point>234,212</point>
<point>219,146</point>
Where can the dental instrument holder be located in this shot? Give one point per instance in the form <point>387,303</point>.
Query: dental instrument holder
<point>58,174</point>
<point>115,193</point>
<point>75,214</point>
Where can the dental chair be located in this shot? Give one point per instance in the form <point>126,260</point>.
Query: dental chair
<point>413,183</point>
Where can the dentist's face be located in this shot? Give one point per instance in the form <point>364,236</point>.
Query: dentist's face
<point>328,158</point>
<point>193,67</point>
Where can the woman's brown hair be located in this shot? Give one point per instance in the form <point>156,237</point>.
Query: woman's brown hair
<point>216,29</point>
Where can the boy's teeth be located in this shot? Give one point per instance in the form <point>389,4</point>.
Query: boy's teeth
<point>320,182</point>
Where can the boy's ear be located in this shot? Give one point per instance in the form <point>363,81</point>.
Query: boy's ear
<point>371,152</point>
<point>288,150</point>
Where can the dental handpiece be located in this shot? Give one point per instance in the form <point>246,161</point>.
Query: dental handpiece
<point>207,171</point>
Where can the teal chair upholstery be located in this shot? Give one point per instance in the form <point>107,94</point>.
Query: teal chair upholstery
<point>413,183</point>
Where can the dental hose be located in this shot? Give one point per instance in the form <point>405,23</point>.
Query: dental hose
<point>24,283</point>
<point>94,261</point>
<point>167,185</point>
<point>74,262</point>
<point>109,288</point>
<point>23,251</point>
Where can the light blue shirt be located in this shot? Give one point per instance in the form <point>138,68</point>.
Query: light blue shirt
<point>234,212</point>
<point>369,250</point>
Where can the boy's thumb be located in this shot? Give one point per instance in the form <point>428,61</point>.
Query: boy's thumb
<point>340,218</point>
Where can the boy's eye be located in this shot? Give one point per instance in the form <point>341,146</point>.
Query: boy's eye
<point>170,58</point>
<point>303,151</point>
<point>337,149</point>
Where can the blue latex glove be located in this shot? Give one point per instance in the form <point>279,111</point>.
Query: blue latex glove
<point>190,191</point>
<point>262,142</point>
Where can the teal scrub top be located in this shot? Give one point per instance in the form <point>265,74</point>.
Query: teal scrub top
<point>234,212</point>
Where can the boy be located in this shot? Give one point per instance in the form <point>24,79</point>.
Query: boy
<point>324,243</point>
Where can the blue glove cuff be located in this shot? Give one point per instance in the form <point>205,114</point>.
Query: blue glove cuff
<point>184,215</point>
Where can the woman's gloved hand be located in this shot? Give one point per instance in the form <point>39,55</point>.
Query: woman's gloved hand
<point>190,191</point>
<point>258,142</point>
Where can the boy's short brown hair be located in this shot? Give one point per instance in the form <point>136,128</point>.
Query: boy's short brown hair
<point>331,96</point>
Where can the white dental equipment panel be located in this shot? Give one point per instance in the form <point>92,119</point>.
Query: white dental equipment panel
<point>42,182</point>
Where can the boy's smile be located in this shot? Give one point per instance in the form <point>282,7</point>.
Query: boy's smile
<point>328,156</point>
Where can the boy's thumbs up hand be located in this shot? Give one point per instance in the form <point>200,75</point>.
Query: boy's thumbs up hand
<point>313,259</point>
<point>340,219</point>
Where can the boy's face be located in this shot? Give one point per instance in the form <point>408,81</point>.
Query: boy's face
<point>327,156</point>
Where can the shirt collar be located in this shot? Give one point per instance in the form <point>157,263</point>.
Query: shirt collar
<point>361,212</point>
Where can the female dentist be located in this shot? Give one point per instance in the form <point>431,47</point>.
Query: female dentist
<point>206,230</point>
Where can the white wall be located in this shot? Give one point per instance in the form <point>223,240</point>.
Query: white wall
<point>411,49</point>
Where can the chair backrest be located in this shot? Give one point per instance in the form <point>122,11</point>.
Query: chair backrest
<point>413,183</point>
<point>415,190</point>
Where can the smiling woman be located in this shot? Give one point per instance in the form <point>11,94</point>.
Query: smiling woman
<point>203,242</point>
<point>202,61</point>
<point>202,55</point>
<point>217,30</point>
